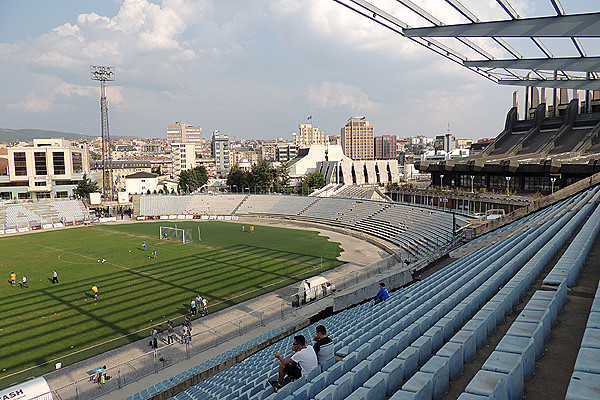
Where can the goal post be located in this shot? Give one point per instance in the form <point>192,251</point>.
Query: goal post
<point>182,235</point>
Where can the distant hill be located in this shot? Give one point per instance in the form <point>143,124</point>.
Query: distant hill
<point>27,135</point>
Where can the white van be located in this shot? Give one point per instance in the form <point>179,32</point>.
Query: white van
<point>37,389</point>
<point>314,288</point>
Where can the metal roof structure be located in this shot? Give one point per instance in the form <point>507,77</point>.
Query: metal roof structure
<point>544,69</point>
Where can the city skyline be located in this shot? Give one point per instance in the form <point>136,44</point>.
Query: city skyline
<point>248,69</point>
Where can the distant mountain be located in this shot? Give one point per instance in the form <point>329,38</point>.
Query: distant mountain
<point>27,135</point>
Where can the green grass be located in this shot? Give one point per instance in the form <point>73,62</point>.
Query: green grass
<point>44,322</point>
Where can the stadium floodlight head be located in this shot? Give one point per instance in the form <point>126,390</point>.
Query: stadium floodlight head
<point>101,73</point>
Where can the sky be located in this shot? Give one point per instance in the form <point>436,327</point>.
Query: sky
<point>250,69</point>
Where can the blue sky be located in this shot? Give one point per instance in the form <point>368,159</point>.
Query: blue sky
<point>251,69</point>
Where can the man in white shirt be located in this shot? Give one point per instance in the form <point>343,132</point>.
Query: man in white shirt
<point>300,363</point>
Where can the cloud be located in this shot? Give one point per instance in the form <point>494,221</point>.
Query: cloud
<point>337,94</point>
<point>35,105</point>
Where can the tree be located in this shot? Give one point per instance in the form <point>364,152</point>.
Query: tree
<point>85,187</point>
<point>192,179</point>
<point>314,180</point>
<point>281,178</point>
<point>262,175</point>
<point>235,179</point>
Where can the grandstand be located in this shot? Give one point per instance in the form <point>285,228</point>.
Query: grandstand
<point>41,214</point>
<point>425,337</point>
<point>416,230</point>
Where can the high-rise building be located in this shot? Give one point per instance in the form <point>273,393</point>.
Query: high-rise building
<point>307,135</point>
<point>184,133</point>
<point>386,147</point>
<point>357,139</point>
<point>219,148</point>
<point>183,156</point>
<point>445,142</point>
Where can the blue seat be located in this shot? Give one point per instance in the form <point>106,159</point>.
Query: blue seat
<point>394,371</point>
<point>469,342</point>
<point>440,369</point>
<point>511,365</point>
<point>488,383</point>
<point>588,360</point>
<point>421,384</point>
<point>523,346</point>
<point>583,386</point>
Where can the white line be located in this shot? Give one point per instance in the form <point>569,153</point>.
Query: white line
<point>111,263</point>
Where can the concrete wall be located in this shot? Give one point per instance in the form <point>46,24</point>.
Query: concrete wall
<point>392,280</point>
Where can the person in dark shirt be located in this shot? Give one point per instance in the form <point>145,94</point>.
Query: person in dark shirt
<point>323,345</point>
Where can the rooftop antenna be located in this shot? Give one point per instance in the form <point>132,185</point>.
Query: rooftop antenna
<point>103,74</point>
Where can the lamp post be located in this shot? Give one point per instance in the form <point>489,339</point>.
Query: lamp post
<point>472,179</point>
<point>552,180</point>
<point>441,180</point>
<point>507,185</point>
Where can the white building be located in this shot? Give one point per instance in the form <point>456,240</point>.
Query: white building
<point>183,156</point>
<point>307,158</point>
<point>141,183</point>
<point>47,168</point>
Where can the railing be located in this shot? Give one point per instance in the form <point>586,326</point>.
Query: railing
<point>169,354</point>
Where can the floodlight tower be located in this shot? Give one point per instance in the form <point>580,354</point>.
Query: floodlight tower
<point>103,74</point>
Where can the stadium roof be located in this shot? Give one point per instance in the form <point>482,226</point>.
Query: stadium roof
<point>572,69</point>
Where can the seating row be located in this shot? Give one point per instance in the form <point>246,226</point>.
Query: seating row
<point>585,380</point>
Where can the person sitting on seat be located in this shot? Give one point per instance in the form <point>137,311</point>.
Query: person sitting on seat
<point>323,346</point>
<point>383,294</point>
<point>301,362</point>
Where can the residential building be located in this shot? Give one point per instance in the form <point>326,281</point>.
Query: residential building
<point>308,135</point>
<point>183,156</point>
<point>141,183</point>
<point>220,151</point>
<point>268,149</point>
<point>357,139</point>
<point>386,147</point>
<point>47,168</point>
<point>285,152</point>
<point>184,133</point>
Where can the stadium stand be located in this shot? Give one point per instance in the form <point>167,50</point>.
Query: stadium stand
<point>291,205</point>
<point>259,204</point>
<point>36,214</point>
<point>413,344</point>
<point>209,204</point>
<point>415,229</point>
<point>164,205</point>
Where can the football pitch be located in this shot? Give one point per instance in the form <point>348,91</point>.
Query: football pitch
<point>46,321</point>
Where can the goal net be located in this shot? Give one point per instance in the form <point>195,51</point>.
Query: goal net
<point>170,233</point>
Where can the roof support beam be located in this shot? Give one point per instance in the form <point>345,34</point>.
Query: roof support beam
<point>579,84</point>
<point>580,25</point>
<point>584,64</point>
